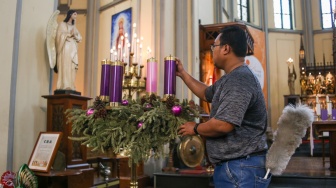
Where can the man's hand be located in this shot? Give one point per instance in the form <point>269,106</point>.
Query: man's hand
<point>187,129</point>
<point>179,68</point>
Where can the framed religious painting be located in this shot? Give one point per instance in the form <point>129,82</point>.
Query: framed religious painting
<point>121,28</point>
<point>44,151</point>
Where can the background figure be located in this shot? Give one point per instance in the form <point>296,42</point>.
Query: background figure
<point>120,40</point>
<point>330,83</point>
<point>304,85</point>
<point>67,37</point>
<point>291,77</point>
<point>121,32</point>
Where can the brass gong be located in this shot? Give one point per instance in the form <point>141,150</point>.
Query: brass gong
<point>191,150</point>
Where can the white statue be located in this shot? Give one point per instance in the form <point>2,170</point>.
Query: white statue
<point>62,49</point>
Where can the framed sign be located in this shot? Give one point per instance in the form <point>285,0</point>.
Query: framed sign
<point>45,150</point>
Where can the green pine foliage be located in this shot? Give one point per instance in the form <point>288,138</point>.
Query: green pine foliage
<point>118,129</point>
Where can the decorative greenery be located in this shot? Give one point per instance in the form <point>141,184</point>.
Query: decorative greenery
<point>136,128</point>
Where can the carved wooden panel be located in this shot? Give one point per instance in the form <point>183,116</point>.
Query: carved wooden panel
<point>74,152</point>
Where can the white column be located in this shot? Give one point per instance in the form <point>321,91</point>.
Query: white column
<point>166,31</point>
<point>91,49</point>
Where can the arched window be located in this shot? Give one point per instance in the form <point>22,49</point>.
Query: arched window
<point>283,14</point>
<point>327,13</point>
<point>243,10</point>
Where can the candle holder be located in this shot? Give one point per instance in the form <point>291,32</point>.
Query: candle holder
<point>329,109</point>
<point>318,110</point>
<point>318,118</point>
<point>132,76</point>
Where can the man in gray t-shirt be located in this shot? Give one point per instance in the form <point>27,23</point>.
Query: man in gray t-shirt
<point>235,133</point>
<point>237,98</point>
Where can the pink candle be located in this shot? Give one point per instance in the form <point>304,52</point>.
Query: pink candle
<point>151,81</point>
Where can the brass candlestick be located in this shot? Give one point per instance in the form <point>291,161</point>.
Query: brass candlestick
<point>133,182</point>
<point>132,83</point>
<point>170,166</point>
<point>132,76</point>
<point>329,110</point>
<point>318,110</point>
<point>318,118</point>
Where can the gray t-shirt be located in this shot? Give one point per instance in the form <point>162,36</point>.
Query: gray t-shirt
<point>237,98</point>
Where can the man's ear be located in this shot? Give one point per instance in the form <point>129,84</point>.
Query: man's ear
<point>226,49</point>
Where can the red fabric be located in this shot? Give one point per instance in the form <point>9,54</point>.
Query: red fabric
<point>192,171</point>
<point>214,75</point>
<point>7,179</point>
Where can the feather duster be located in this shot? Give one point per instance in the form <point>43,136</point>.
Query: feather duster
<point>292,127</point>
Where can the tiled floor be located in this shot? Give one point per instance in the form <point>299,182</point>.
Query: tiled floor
<point>309,166</point>
<point>307,172</point>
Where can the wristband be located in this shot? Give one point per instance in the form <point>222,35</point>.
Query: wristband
<point>195,128</point>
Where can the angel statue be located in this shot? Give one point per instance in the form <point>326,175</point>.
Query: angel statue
<point>62,49</point>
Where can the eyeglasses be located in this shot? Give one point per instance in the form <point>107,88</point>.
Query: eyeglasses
<point>212,47</point>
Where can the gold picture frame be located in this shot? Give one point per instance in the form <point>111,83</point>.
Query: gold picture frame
<point>45,150</point>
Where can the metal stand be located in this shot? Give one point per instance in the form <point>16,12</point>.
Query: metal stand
<point>133,183</point>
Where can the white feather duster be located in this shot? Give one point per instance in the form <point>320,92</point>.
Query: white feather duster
<point>292,127</point>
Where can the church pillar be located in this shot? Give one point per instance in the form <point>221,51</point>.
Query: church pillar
<point>183,41</point>
<point>195,47</point>
<point>91,49</point>
<point>307,24</point>
<point>166,31</point>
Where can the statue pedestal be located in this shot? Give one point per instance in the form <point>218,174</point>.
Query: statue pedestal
<point>75,153</point>
<point>63,91</point>
<point>291,99</point>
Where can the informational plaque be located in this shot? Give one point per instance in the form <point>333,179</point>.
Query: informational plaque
<point>45,150</point>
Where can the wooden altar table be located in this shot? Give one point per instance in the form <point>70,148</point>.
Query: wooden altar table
<point>329,126</point>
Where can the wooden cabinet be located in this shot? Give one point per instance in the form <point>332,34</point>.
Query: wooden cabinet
<point>68,178</point>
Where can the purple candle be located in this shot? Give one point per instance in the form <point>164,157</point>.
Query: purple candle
<point>324,114</point>
<point>117,70</point>
<point>105,80</point>
<point>170,76</point>
<point>151,80</point>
